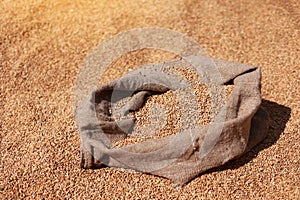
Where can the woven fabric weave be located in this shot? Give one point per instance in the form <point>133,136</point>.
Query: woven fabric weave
<point>240,125</point>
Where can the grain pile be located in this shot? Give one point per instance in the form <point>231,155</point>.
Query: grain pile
<point>42,44</point>
<point>161,115</point>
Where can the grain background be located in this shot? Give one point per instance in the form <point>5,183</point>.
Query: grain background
<point>43,43</point>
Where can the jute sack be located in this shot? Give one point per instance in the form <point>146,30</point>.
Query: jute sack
<point>239,125</point>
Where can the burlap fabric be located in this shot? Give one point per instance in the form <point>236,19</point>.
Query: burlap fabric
<point>240,124</point>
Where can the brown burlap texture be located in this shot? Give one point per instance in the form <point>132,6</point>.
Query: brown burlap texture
<point>240,124</point>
